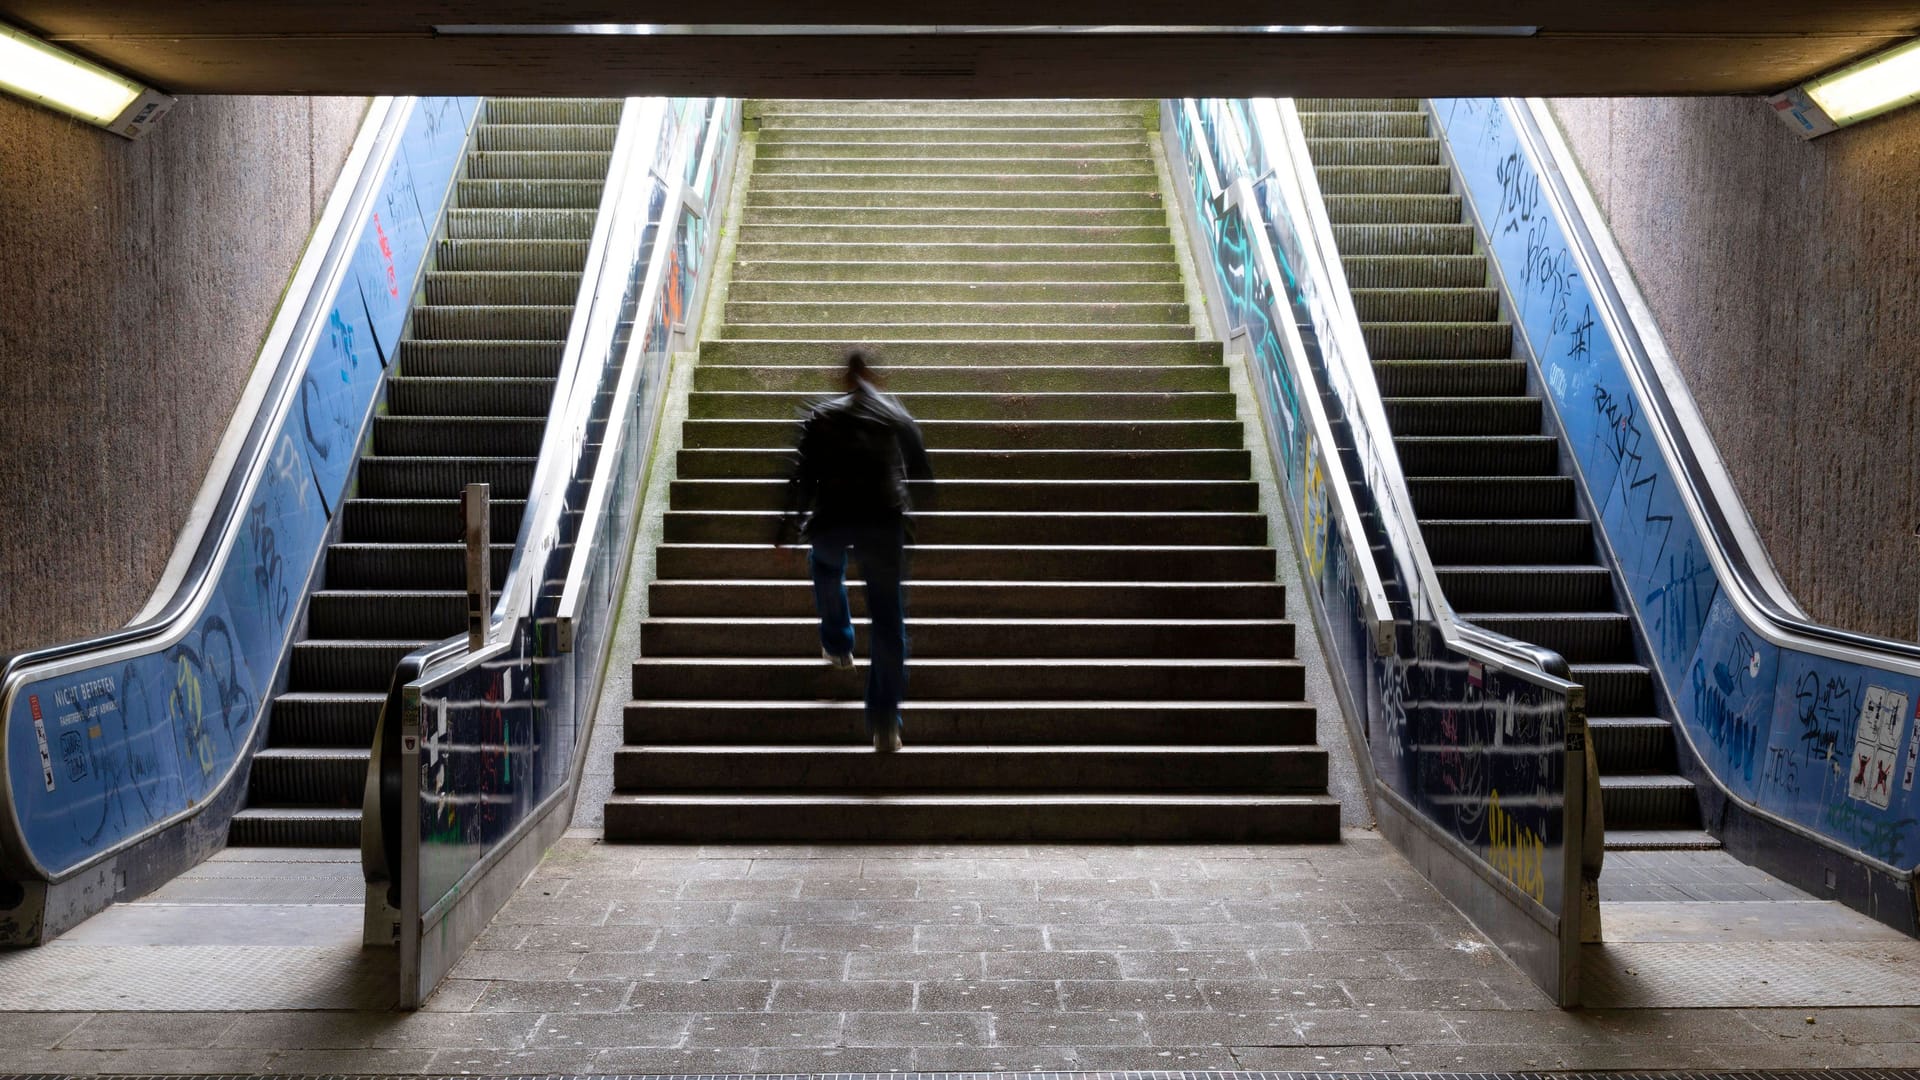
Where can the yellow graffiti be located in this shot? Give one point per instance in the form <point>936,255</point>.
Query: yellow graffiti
<point>1313,512</point>
<point>184,709</point>
<point>1517,852</point>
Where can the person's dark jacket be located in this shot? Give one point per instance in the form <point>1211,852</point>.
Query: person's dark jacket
<point>856,454</point>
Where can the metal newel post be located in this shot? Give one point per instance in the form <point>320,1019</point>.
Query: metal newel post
<point>475,519</point>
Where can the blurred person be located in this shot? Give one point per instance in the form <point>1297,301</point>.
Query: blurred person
<point>848,495</point>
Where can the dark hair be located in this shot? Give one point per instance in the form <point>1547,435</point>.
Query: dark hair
<point>859,372</point>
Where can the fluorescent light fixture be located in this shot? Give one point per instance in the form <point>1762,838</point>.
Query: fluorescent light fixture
<point>956,29</point>
<point>59,80</point>
<point>1859,91</point>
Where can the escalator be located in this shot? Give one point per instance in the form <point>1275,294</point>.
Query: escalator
<point>467,402</point>
<point>1496,505</point>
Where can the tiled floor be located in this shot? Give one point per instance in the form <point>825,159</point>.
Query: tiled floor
<point>815,959</point>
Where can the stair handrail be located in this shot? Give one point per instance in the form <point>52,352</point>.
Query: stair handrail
<point>1277,125</point>
<point>1372,591</point>
<point>217,519</point>
<point>1711,498</point>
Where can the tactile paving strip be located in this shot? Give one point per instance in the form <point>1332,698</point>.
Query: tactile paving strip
<point>1747,974</point>
<point>195,978</point>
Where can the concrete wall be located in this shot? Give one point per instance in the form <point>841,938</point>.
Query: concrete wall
<point>137,281</point>
<point>1786,280</point>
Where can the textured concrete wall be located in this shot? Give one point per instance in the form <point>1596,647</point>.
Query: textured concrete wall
<point>1786,280</point>
<point>137,281</point>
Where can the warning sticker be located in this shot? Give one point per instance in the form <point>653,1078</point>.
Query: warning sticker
<point>1876,746</point>
<point>40,736</point>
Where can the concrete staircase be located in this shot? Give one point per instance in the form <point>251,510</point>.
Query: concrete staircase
<point>1098,644</point>
<point>467,402</point>
<point>1506,533</point>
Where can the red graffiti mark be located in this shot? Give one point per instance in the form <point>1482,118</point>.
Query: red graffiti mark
<point>1881,784</point>
<point>674,299</point>
<point>1861,776</point>
<point>386,251</point>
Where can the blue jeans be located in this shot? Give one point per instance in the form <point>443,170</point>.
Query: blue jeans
<point>881,551</point>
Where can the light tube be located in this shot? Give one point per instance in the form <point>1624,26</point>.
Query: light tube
<point>59,80</point>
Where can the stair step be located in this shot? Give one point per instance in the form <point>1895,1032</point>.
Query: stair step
<point>922,312</point>
<point>1040,116</point>
<point>1151,215</point>
<point>1078,266</point>
<point>996,434</point>
<point>1112,496</point>
<point>301,827</point>
<point>945,527</point>
<point>699,464</point>
<point>963,331</point>
<point>1130,146</point>
<point>955,128</point>
<point>806,176</point>
<point>985,769</point>
<point>975,723</point>
<point>1014,249</point>
<point>1078,679</point>
<point>1024,817</point>
<point>966,353</point>
<point>1193,405</point>
<point>981,638</point>
<point>793,597</point>
<point>1090,162</point>
<point>1006,379</point>
<point>948,292</point>
<point>1111,562</point>
<point>987,198</point>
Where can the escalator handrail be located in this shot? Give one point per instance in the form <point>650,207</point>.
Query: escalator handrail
<point>1732,542</point>
<point>1278,128</point>
<point>217,519</point>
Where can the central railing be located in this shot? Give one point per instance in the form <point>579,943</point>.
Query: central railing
<point>483,737</point>
<point>1475,743</point>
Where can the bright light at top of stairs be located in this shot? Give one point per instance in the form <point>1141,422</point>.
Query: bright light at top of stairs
<point>1871,87</point>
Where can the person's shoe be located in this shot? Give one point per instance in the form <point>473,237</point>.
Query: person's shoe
<point>839,660</point>
<point>887,739</point>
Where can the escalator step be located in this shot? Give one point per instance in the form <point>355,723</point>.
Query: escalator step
<point>545,136</point>
<point>1397,209</point>
<point>322,718</point>
<point>407,566</point>
<point>1616,689</point>
<point>1364,125</point>
<point>500,322</point>
<point>539,194</point>
<point>1351,104</point>
<point>1451,378</point>
<point>1422,151</point>
<point>430,521</point>
<point>1636,802</point>
<point>308,776</point>
<point>1533,542</point>
<point>1633,744</point>
<point>502,287</point>
<point>429,435</point>
<point>468,397</point>
<point>1527,588</point>
<point>486,359</point>
<point>1383,180</point>
<point>530,165</point>
<point>1415,271</point>
<point>339,612</point>
<point>520,224</point>
<point>1464,416</point>
<point>1492,496</point>
<point>280,827</point>
<point>553,110</point>
<point>1581,637</point>
<point>1484,455</point>
<point>1426,305</point>
<point>1404,240</point>
<point>444,477</point>
<point>568,255</point>
<point>347,665</point>
<point>1438,340</point>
